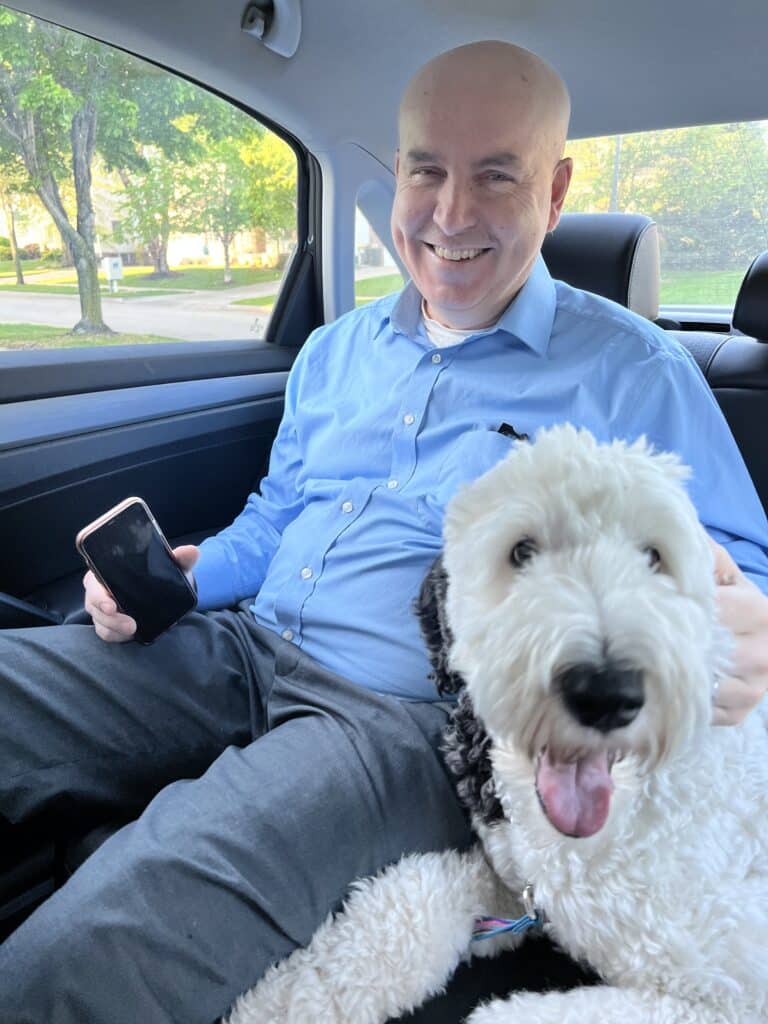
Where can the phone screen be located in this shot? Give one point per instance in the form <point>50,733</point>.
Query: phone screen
<point>131,558</point>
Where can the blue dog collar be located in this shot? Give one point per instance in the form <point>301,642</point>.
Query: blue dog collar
<point>487,927</point>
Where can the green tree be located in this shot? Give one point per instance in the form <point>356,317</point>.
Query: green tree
<point>63,98</point>
<point>163,187</point>
<point>272,166</point>
<point>150,206</point>
<point>219,194</point>
<point>52,88</point>
<point>14,183</point>
<point>706,187</point>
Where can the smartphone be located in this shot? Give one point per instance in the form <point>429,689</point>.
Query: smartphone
<point>128,554</point>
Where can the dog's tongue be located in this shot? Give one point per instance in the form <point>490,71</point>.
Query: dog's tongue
<point>575,795</point>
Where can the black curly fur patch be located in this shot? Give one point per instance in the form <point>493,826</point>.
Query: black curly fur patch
<point>466,745</point>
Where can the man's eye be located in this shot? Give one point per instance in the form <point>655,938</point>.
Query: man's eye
<point>498,178</point>
<point>424,172</point>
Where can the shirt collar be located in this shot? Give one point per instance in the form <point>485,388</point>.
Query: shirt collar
<point>528,318</point>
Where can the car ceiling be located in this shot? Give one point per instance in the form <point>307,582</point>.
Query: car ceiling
<point>630,66</point>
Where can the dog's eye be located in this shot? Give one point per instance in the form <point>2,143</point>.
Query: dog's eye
<point>522,551</point>
<point>653,556</point>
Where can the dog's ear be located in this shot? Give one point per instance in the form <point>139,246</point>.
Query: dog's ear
<point>430,608</point>
<point>466,749</point>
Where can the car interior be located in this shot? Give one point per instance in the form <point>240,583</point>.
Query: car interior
<point>188,426</point>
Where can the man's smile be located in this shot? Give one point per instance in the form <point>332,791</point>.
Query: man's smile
<point>456,255</point>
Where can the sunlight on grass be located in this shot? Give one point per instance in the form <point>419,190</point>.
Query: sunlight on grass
<point>27,336</point>
<point>713,288</point>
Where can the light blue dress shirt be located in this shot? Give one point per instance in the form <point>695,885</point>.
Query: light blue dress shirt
<point>380,429</point>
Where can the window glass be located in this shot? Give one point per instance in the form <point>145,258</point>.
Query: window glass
<point>155,210</point>
<point>706,188</point>
<point>376,273</point>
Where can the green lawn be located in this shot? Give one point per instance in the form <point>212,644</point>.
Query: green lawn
<point>71,289</point>
<point>200,277</point>
<point>375,287</point>
<point>8,268</point>
<point>366,289</point>
<point>183,278</point>
<point>39,336</point>
<point>706,288</point>
<point>258,300</point>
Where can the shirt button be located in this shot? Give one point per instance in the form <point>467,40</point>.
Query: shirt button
<point>408,419</point>
<point>437,358</point>
<point>392,484</point>
<point>287,634</point>
<point>347,506</point>
<point>306,573</point>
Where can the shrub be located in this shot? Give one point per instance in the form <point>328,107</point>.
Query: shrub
<point>31,251</point>
<point>52,257</point>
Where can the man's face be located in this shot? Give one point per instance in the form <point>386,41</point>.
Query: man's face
<point>478,187</point>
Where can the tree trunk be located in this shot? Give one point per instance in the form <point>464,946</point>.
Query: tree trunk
<point>83,137</point>
<point>158,250</point>
<point>14,245</point>
<point>227,272</point>
<point>21,125</point>
<point>616,175</point>
<point>67,256</point>
<point>165,234</point>
<point>47,190</point>
<point>10,216</point>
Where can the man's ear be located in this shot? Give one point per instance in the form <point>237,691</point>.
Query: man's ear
<point>561,179</point>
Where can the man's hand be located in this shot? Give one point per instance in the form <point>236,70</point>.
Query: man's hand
<point>743,608</point>
<point>110,623</point>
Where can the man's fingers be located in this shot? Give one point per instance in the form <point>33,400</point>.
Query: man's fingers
<point>743,608</point>
<point>735,698</point>
<point>186,555</point>
<point>113,628</point>
<point>726,570</point>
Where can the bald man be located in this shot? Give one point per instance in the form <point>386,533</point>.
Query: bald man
<point>282,740</point>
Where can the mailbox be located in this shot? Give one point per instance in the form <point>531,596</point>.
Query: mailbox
<point>112,267</point>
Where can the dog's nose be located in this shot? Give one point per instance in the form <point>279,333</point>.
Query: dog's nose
<point>604,697</point>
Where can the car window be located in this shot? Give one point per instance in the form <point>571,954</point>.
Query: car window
<point>707,189</point>
<point>134,205</point>
<point>376,272</point>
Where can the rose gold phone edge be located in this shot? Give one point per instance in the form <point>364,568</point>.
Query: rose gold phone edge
<point>104,518</point>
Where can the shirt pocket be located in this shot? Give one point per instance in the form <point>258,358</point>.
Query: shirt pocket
<point>470,455</point>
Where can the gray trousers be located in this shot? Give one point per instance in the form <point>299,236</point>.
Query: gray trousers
<point>262,784</point>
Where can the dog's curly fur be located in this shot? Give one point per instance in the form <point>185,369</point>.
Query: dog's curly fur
<point>466,745</point>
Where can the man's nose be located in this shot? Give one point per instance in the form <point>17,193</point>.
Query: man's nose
<point>456,208</point>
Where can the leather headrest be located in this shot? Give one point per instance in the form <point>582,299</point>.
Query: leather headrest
<point>750,314</point>
<point>612,254</point>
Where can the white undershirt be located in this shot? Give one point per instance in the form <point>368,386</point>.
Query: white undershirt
<point>442,337</point>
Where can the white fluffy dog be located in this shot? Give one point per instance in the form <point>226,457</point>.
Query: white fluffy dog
<point>577,607</point>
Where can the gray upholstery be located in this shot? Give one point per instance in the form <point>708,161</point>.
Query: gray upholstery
<point>615,255</point>
<point>750,314</point>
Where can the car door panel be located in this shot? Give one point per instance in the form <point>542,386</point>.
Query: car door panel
<point>193,450</point>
